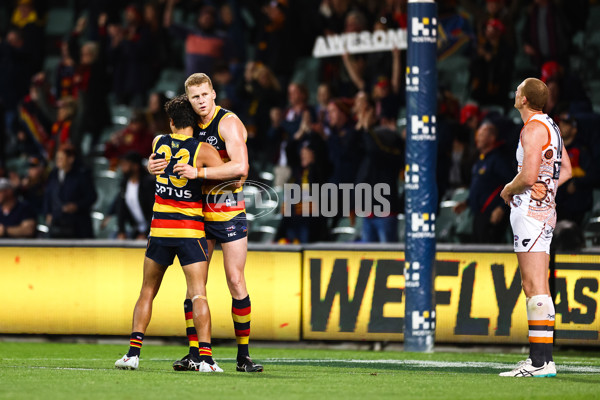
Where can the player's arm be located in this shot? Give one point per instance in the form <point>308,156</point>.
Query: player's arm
<point>234,134</point>
<point>156,166</point>
<point>207,156</point>
<point>533,139</point>
<point>565,168</point>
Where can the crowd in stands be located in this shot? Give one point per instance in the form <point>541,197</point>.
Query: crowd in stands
<point>341,119</point>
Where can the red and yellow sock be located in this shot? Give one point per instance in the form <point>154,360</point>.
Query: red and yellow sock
<point>205,350</point>
<point>190,330</point>
<point>240,312</point>
<point>135,344</point>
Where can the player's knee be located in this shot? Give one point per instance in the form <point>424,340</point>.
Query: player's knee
<point>236,280</point>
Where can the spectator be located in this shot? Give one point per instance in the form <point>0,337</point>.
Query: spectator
<point>135,199</point>
<point>455,33</point>
<point>92,88</point>
<point>14,76</point>
<point>491,68</point>
<point>324,95</point>
<point>60,133</point>
<point>33,185</point>
<point>260,94</point>
<point>277,138</point>
<point>297,104</point>
<point>17,218</point>
<point>225,87</point>
<point>132,57</point>
<point>134,137</point>
<point>343,143</point>
<point>490,173</point>
<point>156,116</point>
<point>204,45</point>
<point>273,41</point>
<point>545,35</point>
<point>297,228</point>
<point>70,194</point>
<point>65,72</point>
<point>157,36</point>
<point>36,114</point>
<point>574,198</point>
<point>26,19</point>
<point>383,161</point>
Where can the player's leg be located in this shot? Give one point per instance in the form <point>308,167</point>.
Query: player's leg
<point>540,308</point>
<point>183,364</point>
<point>234,259</point>
<point>195,275</point>
<point>534,276</point>
<point>153,275</point>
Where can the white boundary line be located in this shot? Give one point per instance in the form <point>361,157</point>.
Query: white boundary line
<point>561,367</point>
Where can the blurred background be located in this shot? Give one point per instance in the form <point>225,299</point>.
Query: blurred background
<point>83,85</point>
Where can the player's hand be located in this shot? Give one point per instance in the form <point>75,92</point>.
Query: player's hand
<point>506,195</point>
<point>185,171</point>
<point>156,166</point>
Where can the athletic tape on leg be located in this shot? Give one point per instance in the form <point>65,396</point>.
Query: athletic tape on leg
<point>198,296</point>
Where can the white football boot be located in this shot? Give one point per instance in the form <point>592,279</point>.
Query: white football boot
<point>551,368</point>
<point>206,367</point>
<point>525,369</point>
<point>126,362</point>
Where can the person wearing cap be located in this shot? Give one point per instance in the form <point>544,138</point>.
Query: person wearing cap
<point>17,218</point>
<point>135,199</point>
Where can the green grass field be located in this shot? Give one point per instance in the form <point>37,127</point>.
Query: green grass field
<point>85,371</point>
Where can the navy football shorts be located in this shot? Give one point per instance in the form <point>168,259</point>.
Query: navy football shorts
<point>227,231</point>
<point>188,251</point>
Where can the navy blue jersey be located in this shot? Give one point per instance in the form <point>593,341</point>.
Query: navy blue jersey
<point>178,201</point>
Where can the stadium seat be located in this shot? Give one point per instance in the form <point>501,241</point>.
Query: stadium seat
<point>343,234</point>
<point>401,228</point>
<point>60,21</point>
<point>453,73</point>
<point>104,232</point>
<point>99,165</point>
<point>18,165</point>
<point>446,222</point>
<point>262,234</point>
<point>120,114</point>
<point>170,82</point>
<point>107,187</point>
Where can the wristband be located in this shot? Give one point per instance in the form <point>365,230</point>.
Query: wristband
<point>196,177</point>
<point>204,172</point>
